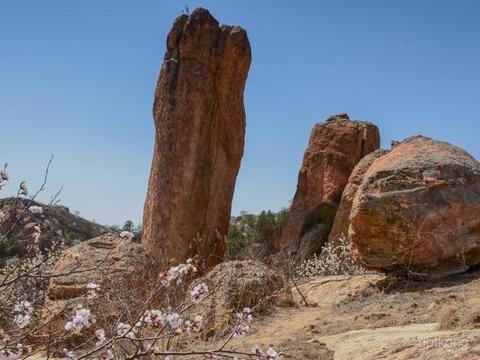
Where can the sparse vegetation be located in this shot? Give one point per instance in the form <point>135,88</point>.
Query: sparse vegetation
<point>251,236</point>
<point>334,259</point>
<point>458,316</point>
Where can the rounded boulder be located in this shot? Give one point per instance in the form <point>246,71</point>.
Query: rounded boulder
<point>417,211</point>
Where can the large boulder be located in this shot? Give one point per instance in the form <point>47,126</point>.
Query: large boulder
<point>119,266</point>
<point>200,125</point>
<point>417,211</point>
<point>335,147</point>
<point>341,223</point>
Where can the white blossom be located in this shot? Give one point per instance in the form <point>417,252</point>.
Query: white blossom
<point>92,290</point>
<point>125,330</point>
<point>37,231</point>
<point>23,311</point>
<point>24,307</point>
<point>4,176</point>
<point>243,318</point>
<point>335,259</point>
<point>176,273</point>
<point>154,317</point>
<point>100,336</point>
<point>241,330</point>
<point>4,337</point>
<point>69,355</point>
<point>107,355</point>
<point>196,325</point>
<point>34,209</point>
<point>82,318</point>
<point>21,320</point>
<point>174,320</point>
<point>12,354</point>
<point>272,354</point>
<point>246,314</point>
<point>127,235</point>
<point>199,292</point>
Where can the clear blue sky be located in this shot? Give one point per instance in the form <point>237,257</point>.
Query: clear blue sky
<point>77,80</point>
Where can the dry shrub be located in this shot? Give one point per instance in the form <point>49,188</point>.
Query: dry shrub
<point>455,317</point>
<point>335,259</point>
<point>239,284</point>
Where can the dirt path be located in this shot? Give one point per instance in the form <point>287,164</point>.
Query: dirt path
<point>368,318</point>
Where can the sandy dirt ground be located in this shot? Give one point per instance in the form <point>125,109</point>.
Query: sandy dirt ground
<point>371,317</point>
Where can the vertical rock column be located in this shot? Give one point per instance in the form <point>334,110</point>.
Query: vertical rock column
<point>200,126</point>
<point>334,148</point>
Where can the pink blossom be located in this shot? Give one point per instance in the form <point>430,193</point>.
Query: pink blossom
<point>154,317</point>
<point>196,325</point>
<point>12,354</point>
<point>4,176</point>
<point>107,355</point>
<point>100,336</point>
<point>82,318</point>
<point>176,273</point>
<point>69,355</point>
<point>92,290</point>
<point>23,311</point>
<point>199,292</point>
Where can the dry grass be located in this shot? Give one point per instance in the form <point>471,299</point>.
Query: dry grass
<point>455,317</point>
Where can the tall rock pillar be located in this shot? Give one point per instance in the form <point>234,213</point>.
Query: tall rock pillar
<point>200,126</point>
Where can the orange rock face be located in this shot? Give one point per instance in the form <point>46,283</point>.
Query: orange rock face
<point>335,147</point>
<point>200,126</point>
<point>417,211</point>
<point>121,267</point>
<point>342,217</point>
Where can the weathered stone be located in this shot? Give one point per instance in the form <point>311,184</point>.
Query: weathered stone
<point>200,126</point>
<point>121,267</point>
<point>417,210</point>
<point>236,285</point>
<point>342,217</point>
<point>335,147</point>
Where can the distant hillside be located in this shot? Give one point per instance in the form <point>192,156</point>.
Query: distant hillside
<point>20,218</point>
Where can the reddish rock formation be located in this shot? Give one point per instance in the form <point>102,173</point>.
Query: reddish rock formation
<point>121,267</point>
<point>342,217</point>
<point>335,147</point>
<point>417,210</point>
<point>200,126</point>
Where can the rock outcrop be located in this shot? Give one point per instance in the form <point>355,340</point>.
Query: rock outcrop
<point>200,126</point>
<point>19,217</point>
<point>335,147</point>
<point>417,211</point>
<point>341,223</point>
<point>121,267</point>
